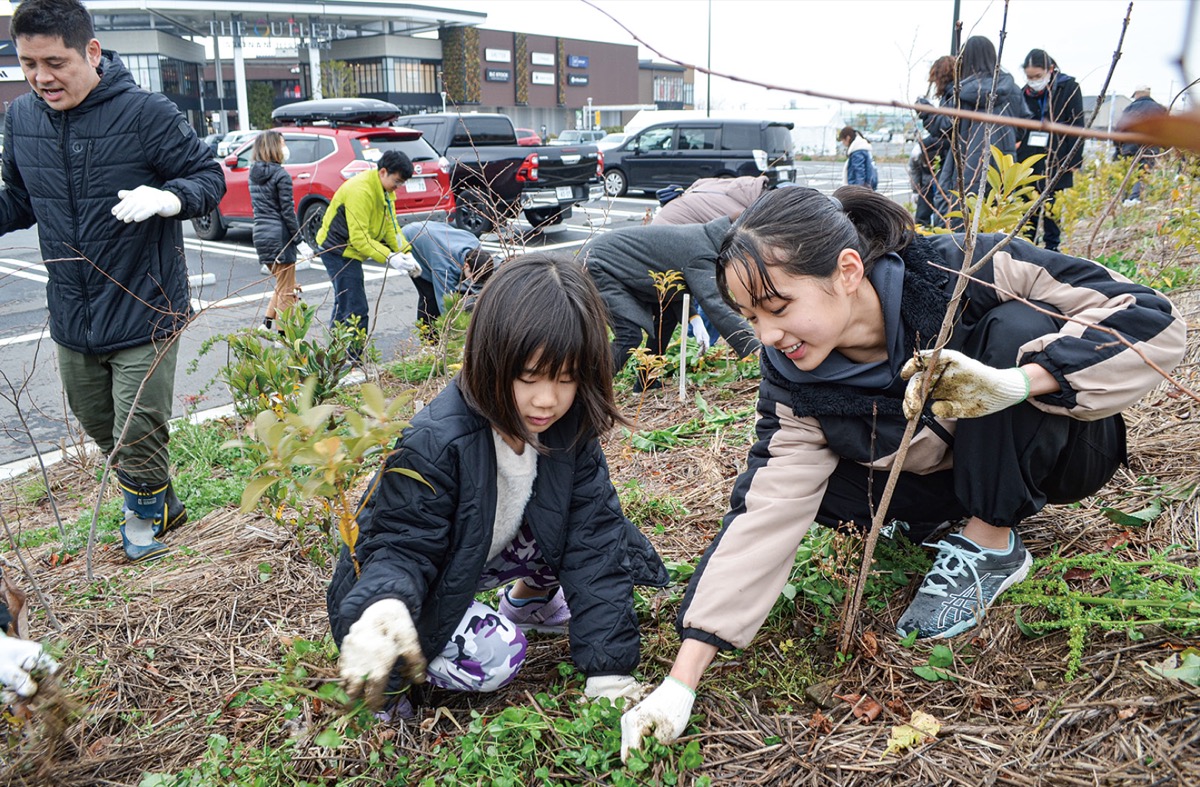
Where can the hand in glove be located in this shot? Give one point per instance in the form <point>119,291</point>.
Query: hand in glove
<point>406,263</point>
<point>384,634</point>
<point>614,687</point>
<point>304,251</point>
<point>18,658</point>
<point>700,333</point>
<point>962,387</point>
<point>665,713</point>
<point>144,202</point>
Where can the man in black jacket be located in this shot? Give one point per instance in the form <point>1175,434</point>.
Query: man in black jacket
<point>107,171</point>
<point>1141,107</point>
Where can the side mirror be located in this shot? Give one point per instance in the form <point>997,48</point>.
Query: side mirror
<point>231,161</point>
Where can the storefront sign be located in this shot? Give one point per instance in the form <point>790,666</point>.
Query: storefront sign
<point>577,61</point>
<point>541,77</point>
<point>577,79</point>
<point>497,55</point>
<point>497,74</point>
<point>541,58</point>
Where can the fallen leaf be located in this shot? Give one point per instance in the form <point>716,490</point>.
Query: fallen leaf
<point>863,707</point>
<point>820,723</point>
<point>1119,540</point>
<point>1127,713</point>
<point>1184,666</point>
<point>1078,573</point>
<point>920,728</point>
<point>1021,704</point>
<point>870,645</point>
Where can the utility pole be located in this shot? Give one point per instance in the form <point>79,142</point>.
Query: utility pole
<point>955,31</point>
<point>708,76</point>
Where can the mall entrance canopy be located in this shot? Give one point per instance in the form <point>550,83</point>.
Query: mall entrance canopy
<point>306,25</point>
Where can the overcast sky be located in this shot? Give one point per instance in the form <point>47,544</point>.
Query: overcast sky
<point>872,49</point>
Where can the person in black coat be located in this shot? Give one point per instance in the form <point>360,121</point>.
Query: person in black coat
<point>1054,97</point>
<point>500,478</point>
<point>929,155</point>
<point>276,228</point>
<point>107,170</point>
<point>621,263</point>
<point>971,140</point>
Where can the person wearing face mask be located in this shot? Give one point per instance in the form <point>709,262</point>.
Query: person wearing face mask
<point>1054,97</point>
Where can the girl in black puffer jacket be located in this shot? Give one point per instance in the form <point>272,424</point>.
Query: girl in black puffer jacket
<point>276,230</point>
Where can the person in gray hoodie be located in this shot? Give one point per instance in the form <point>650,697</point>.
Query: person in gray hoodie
<point>622,262</point>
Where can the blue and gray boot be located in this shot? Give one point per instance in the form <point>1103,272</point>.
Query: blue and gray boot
<point>145,511</point>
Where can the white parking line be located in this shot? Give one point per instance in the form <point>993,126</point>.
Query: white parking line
<point>21,274</point>
<point>238,300</point>
<point>36,336</point>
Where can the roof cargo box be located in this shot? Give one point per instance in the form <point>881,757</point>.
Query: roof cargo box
<point>368,111</point>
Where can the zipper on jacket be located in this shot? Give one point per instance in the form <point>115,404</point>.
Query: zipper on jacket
<point>64,143</point>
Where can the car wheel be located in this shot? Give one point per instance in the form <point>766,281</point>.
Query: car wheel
<point>471,215</point>
<point>544,217</point>
<point>615,183</point>
<point>210,226</point>
<point>310,222</point>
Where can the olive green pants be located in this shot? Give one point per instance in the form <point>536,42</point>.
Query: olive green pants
<point>106,392</point>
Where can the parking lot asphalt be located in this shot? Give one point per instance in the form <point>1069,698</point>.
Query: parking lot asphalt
<point>230,292</point>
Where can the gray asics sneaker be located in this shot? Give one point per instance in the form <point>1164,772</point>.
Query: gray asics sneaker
<point>965,580</point>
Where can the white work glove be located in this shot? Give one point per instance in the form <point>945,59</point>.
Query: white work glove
<point>962,387</point>
<point>18,658</point>
<point>144,202</point>
<point>614,687</point>
<point>405,263</point>
<point>700,333</point>
<point>384,634</point>
<point>304,251</point>
<point>665,713</point>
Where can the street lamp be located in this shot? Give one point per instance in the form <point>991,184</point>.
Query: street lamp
<point>588,119</point>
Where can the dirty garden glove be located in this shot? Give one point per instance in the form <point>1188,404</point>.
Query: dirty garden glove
<point>384,634</point>
<point>962,387</point>
<point>665,713</point>
<point>405,263</point>
<point>143,202</point>
<point>700,334</point>
<point>614,687</point>
<point>18,658</point>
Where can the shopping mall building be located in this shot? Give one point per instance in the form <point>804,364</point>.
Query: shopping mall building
<point>422,58</point>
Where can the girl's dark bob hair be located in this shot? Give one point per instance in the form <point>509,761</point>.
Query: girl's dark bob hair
<point>539,312</point>
<point>802,231</point>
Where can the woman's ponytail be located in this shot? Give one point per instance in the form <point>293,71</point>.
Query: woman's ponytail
<point>883,225</point>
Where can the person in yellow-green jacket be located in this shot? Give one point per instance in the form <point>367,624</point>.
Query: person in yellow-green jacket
<point>360,224</point>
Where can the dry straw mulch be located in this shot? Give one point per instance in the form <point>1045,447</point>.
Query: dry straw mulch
<point>167,648</point>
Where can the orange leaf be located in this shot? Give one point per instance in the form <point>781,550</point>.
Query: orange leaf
<point>1021,704</point>
<point>1120,539</point>
<point>1181,130</point>
<point>820,723</point>
<point>862,706</point>
<point>870,645</point>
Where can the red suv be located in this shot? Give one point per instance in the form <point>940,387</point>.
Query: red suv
<point>323,157</point>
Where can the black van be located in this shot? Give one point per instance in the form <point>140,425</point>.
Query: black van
<point>681,152</point>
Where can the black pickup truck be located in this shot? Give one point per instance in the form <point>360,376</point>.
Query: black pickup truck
<point>494,178</point>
